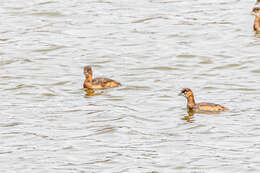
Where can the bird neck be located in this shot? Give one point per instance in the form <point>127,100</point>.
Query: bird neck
<point>89,78</point>
<point>190,101</point>
<point>257,23</point>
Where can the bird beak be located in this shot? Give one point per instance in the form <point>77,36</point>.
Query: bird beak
<point>253,13</point>
<point>86,73</point>
<point>180,94</point>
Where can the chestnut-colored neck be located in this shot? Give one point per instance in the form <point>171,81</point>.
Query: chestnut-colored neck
<point>88,82</point>
<point>191,101</point>
<point>257,23</point>
<point>89,78</point>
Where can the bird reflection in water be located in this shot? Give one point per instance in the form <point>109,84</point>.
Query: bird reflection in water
<point>91,92</point>
<point>189,117</point>
<point>190,114</point>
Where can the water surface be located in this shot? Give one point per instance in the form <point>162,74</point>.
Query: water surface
<point>154,48</point>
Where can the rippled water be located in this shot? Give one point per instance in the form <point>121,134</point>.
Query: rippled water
<point>154,48</point>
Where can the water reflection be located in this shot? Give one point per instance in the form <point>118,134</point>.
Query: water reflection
<point>91,92</point>
<point>190,114</point>
<point>257,34</point>
<point>189,117</point>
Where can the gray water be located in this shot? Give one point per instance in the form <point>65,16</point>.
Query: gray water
<point>154,48</point>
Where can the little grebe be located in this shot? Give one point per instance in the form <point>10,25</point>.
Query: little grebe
<point>97,83</point>
<point>256,13</point>
<point>191,105</point>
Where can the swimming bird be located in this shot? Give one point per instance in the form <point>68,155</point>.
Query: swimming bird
<point>207,107</point>
<point>97,83</point>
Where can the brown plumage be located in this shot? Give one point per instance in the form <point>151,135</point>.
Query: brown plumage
<point>191,105</point>
<point>256,13</point>
<point>97,83</point>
